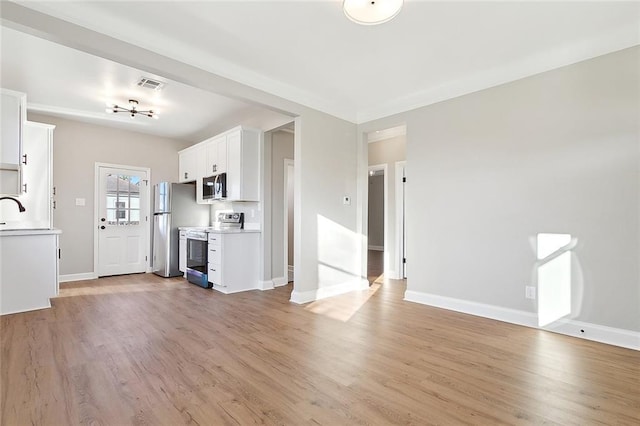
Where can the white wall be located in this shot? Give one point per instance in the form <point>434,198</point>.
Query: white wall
<point>329,248</point>
<point>281,149</point>
<point>556,152</point>
<point>389,151</point>
<point>76,148</point>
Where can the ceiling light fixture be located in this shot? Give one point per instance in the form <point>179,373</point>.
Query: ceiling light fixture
<point>133,110</point>
<point>371,12</point>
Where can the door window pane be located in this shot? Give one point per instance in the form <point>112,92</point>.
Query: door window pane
<point>123,195</point>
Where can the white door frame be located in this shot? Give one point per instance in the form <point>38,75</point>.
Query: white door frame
<point>287,163</point>
<point>400,167</point>
<point>96,211</point>
<point>383,167</point>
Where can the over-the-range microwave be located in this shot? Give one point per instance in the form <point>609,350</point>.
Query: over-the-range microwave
<point>214,187</point>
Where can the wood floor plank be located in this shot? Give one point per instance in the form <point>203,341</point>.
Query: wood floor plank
<point>142,350</point>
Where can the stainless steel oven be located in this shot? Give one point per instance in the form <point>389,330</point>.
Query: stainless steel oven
<point>197,261</point>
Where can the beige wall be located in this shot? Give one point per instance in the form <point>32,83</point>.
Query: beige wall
<point>557,152</point>
<point>281,149</point>
<point>76,148</point>
<point>388,152</point>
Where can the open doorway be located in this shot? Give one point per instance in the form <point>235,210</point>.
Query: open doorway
<point>282,220</point>
<point>376,221</point>
<point>385,206</point>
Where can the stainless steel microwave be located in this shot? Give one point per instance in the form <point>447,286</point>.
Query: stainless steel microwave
<point>214,187</point>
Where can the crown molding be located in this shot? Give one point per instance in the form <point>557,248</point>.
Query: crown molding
<point>619,39</point>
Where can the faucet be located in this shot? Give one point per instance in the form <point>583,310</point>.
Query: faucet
<point>20,206</point>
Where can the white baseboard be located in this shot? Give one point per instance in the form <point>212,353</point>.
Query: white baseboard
<point>376,248</point>
<point>265,285</point>
<point>598,333</point>
<point>77,277</point>
<point>290,273</point>
<point>280,281</point>
<point>324,292</point>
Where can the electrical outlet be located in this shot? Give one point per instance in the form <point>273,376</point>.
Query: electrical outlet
<point>530,292</point>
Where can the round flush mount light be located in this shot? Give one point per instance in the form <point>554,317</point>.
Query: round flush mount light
<point>371,12</point>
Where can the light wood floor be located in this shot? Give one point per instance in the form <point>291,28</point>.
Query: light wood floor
<point>150,351</point>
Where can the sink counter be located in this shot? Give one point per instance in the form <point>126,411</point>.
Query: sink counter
<point>16,232</point>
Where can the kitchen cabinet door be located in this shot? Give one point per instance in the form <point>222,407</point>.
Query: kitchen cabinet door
<point>188,165</point>
<point>37,185</point>
<point>216,156</point>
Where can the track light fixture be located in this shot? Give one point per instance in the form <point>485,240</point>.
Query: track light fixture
<point>133,110</point>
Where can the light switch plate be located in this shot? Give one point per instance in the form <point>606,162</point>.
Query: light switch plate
<point>346,200</point>
<point>80,202</point>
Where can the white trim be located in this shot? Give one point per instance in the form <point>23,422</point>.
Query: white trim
<point>400,167</point>
<point>598,333</point>
<point>376,248</point>
<point>381,135</point>
<point>96,210</point>
<point>562,56</point>
<point>356,284</point>
<point>280,281</point>
<point>77,277</point>
<point>265,285</point>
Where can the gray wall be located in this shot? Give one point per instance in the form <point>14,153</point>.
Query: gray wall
<point>282,147</point>
<point>376,211</point>
<point>556,152</point>
<point>76,148</point>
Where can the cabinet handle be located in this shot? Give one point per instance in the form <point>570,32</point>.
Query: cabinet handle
<point>54,190</point>
<point>54,204</point>
<point>24,161</point>
<point>24,187</point>
<point>186,175</point>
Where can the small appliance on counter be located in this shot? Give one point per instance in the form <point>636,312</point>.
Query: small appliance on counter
<point>231,220</point>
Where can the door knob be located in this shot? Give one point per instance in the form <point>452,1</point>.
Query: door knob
<point>102,227</point>
<point>102,219</point>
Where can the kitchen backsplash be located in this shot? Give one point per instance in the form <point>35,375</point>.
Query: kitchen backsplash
<point>252,211</point>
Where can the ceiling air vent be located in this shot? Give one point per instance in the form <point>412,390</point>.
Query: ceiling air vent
<point>148,83</point>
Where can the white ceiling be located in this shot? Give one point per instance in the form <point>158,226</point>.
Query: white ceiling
<point>310,53</point>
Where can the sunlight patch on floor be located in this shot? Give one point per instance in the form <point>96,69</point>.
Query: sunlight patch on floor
<point>345,306</point>
<point>97,287</point>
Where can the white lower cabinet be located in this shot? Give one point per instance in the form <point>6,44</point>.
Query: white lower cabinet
<point>29,273</point>
<point>233,261</point>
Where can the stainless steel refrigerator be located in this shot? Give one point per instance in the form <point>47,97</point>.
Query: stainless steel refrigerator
<point>174,205</point>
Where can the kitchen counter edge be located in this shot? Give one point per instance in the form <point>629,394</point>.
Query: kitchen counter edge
<point>26,232</point>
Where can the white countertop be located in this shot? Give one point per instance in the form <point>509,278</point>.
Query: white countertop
<point>216,230</point>
<point>26,232</point>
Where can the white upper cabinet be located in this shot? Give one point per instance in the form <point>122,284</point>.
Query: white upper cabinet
<point>188,164</point>
<point>216,162</point>
<point>12,117</point>
<point>243,165</point>
<point>236,153</point>
<point>37,182</point>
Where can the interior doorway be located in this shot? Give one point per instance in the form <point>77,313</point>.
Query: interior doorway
<point>386,230</point>
<point>288,217</point>
<point>377,216</point>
